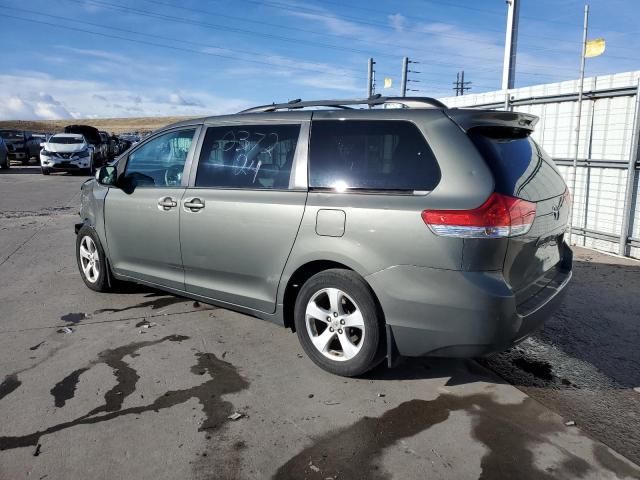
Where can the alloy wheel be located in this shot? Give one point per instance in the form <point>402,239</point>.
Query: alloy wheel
<point>89,259</point>
<point>335,325</point>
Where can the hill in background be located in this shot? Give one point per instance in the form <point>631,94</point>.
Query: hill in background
<point>111,125</point>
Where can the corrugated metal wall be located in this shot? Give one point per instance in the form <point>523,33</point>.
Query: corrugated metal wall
<point>606,138</point>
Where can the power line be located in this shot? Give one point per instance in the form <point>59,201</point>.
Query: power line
<point>289,7</point>
<point>436,77</point>
<point>294,8</point>
<point>172,47</point>
<point>183,20</point>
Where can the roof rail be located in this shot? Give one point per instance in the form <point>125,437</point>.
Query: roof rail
<point>408,102</point>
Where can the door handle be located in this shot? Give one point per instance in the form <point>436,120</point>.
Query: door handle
<point>194,204</point>
<point>167,203</point>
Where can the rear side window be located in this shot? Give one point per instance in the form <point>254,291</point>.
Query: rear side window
<point>370,155</point>
<point>248,156</point>
<point>521,168</point>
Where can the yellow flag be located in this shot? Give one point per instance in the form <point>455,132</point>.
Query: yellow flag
<point>595,47</point>
<point>388,82</point>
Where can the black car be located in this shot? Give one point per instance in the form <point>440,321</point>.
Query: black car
<point>21,145</point>
<point>93,137</point>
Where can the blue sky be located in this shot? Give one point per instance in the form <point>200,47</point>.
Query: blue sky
<point>189,57</point>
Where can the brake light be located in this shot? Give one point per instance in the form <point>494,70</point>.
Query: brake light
<point>500,216</point>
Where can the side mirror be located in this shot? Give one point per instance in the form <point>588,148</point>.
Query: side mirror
<point>42,145</point>
<point>107,175</point>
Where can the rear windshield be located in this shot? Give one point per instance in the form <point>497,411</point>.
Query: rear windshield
<point>520,166</point>
<point>370,155</point>
<point>11,134</point>
<point>65,140</point>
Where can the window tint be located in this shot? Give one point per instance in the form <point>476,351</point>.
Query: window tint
<point>370,155</point>
<point>248,156</point>
<point>520,166</point>
<point>159,162</point>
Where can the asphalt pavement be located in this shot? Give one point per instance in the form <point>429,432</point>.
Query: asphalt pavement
<point>147,385</point>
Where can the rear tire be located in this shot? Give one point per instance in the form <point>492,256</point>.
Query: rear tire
<point>339,323</point>
<point>92,262</point>
<point>6,165</point>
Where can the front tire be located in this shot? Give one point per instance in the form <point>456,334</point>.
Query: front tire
<point>92,262</point>
<point>339,323</point>
<point>6,165</point>
<point>45,171</point>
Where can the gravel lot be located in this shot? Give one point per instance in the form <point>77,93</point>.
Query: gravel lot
<point>116,399</point>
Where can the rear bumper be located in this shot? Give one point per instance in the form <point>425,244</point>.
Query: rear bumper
<point>460,314</point>
<point>13,155</point>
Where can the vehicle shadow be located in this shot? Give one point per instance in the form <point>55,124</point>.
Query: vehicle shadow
<point>20,169</point>
<point>458,371</point>
<point>595,330</point>
<point>32,169</point>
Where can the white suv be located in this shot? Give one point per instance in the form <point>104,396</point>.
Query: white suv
<point>66,152</point>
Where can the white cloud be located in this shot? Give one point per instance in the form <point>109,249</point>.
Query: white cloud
<point>101,54</point>
<point>397,21</point>
<point>320,76</point>
<point>34,95</point>
<point>42,106</point>
<point>178,99</point>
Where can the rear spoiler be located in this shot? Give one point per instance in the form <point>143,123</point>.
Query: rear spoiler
<point>468,119</point>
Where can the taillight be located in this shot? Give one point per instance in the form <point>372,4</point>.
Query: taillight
<point>500,216</point>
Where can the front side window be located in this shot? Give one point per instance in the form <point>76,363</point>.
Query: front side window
<point>160,162</point>
<point>370,156</point>
<point>248,156</point>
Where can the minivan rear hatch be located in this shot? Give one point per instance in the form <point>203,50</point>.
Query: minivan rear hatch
<point>522,169</point>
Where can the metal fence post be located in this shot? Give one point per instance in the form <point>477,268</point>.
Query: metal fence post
<point>631,177</point>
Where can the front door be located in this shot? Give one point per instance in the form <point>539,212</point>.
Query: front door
<point>241,215</point>
<point>142,217</point>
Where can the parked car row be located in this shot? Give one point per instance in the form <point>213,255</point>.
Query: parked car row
<point>80,148</point>
<point>21,145</point>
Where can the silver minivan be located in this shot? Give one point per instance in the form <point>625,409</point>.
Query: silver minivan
<point>371,232</point>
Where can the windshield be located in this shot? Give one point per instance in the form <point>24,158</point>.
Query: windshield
<point>11,134</point>
<point>66,140</point>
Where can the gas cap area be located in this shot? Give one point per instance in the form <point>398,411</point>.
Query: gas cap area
<point>330,222</point>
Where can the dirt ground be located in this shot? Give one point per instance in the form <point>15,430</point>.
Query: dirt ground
<point>585,362</point>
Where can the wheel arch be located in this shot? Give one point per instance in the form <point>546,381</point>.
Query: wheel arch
<point>303,273</point>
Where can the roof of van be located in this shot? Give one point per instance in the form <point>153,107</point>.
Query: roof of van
<point>401,108</point>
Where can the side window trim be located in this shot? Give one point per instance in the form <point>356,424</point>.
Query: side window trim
<point>122,163</point>
<point>298,179</point>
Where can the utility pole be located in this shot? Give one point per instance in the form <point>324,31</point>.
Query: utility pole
<point>405,77</point>
<point>460,84</point>
<point>510,45</point>
<point>371,79</point>
<point>576,144</point>
<point>403,84</point>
